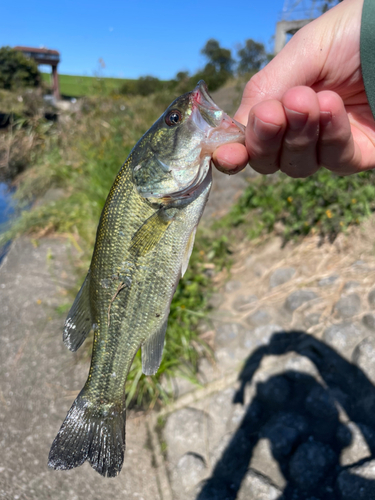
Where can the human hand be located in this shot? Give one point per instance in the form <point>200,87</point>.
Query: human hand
<point>308,108</point>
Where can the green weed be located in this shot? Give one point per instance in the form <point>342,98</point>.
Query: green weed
<point>324,203</point>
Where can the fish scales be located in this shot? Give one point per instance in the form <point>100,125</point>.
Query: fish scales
<point>143,244</point>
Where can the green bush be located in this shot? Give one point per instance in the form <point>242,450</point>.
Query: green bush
<point>323,203</point>
<point>16,70</point>
<point>144,86</point>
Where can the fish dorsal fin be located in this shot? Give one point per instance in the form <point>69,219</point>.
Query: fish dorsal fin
<point>151,232</point>
<point>152,350</point>
<point>187,253</point>
<point>79,321</point>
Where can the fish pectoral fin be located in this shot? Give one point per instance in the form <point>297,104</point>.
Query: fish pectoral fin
<point>151,232</point>
<point>152,350</point>
<point>187,253</point>
<point>79,321</point>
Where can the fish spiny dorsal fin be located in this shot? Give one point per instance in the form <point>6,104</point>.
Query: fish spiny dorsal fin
<point>187,253</point>
<point>151,232</point>
<point>152,350</point>
<point>79,321</point>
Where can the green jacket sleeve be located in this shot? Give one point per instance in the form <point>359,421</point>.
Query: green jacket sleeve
<point>368,51</point>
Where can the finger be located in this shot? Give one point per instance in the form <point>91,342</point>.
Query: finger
<point>336,148</point>
<point>264,135</point>
<point>230,158</point>
<point>298,155</point>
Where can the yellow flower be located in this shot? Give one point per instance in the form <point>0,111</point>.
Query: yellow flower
<point>329,214</point>
<point>38,302</point>
<point>354,201</point>
<point>341,223</point>
<point>289,199</point>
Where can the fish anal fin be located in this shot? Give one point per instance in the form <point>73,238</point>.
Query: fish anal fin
<point>152,350</point>
<point>79,321</point>
<point>150,233</point>
<point>188,251</point>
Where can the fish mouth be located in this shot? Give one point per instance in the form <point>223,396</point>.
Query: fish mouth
<point>209,111</point>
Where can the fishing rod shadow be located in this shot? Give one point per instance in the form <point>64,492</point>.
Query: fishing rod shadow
<point>299,417</point>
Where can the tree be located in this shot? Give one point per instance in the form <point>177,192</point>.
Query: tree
<point>16,70</point>
<point>218,57</point>
<point>252,56</point>
<point>219,67</point>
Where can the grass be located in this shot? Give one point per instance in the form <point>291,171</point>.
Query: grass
<point>79,86</point>
<point>323,203</point>
<point>81,155</point>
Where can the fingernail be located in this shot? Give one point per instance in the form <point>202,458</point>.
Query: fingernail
<point>265,131</point>
<point>296,119</point>
<point>325,118</point>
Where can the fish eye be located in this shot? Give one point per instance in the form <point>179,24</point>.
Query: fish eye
<point>173,117</point>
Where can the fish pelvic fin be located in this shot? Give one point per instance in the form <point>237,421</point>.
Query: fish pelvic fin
<point>91,432</point>
<point>79,321</point>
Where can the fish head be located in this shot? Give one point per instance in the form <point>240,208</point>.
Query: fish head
<point>175,154</point>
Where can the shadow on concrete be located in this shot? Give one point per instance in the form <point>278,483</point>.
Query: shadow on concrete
<point>299,417</point>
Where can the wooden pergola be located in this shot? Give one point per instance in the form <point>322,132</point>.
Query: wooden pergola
<point>45,56</point>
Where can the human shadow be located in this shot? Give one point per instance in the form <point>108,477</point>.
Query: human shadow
<point>300,418</point>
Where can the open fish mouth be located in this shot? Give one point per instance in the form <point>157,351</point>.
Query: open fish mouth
<point>207,115</point>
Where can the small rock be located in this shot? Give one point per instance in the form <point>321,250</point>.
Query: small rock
<point>255,486</point>
<point>232,285</point>
<point>262,461</point>
<point>369,321</point>
<point>297,298</point>
<point>300,364</point>
<point>283,430</point>
<point>215,300</point>
<point>177,386</point>
<point>241,302</point>
<point>281,276</point>
<point>260,336</point>
<point>217,451</point>
<point>259,318</point>
<point>311,463</point>
<point>343,336</point>
<point>320,404</point>
<point>207,371</point>
<point>348,306</point>
<point>364,355</point>
<point>185,432</point>
<point>189,471</point>
<point>329,280</point>
<point>275,394</point>
<point>357,482</point>
<point>350,285</point>
<point>228,358</point>
<point>357,449</point>
<point>229,334</point>
<point>312,320</point>
<point>360,265</point>
<point>371,297</point>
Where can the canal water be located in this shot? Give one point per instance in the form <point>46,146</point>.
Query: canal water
<point>7,206</point>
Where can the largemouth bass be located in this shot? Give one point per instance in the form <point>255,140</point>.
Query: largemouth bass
<point>143,244</point>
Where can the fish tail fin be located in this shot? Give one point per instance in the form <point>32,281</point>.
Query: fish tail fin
<point>91,432</point>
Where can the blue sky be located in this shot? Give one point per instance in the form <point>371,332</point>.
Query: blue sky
<point>136,37</point>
